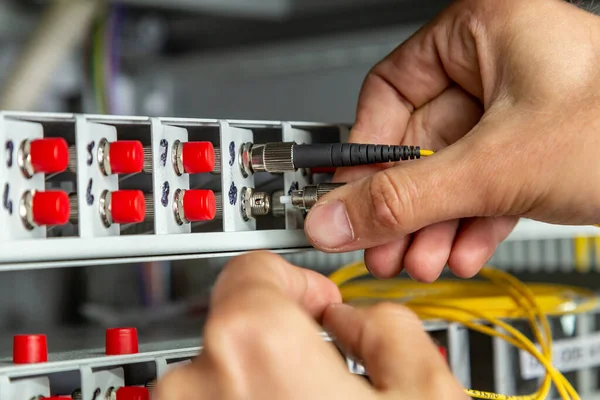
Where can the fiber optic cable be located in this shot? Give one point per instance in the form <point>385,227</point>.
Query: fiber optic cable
<point>280,157</point>
<point>596,241</point>
<point>583,252</point>
<point>481,306</point>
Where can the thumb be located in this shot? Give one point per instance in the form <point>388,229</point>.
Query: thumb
<point>399,356</point>
<point>397,201</point>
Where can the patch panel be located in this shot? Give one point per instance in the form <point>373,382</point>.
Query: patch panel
<point>84,188</point>
<point>124,368</point>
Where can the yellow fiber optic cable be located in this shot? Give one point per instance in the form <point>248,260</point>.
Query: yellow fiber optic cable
<point>582,248</point>
<point>481,306</point>
<point>426,153</point>
<point>597,252</point>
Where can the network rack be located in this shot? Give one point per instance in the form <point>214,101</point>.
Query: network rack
<point>84,177</point>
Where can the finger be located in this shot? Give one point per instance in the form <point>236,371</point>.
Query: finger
<point>399,201</point>
<point>398,354</point>
<point>444,120</point>
<point>257,318</point>
<point>430,250</point>
<point>312,291</point>
<point>434,126</point>
<point>415,73</point>
<point>387,260</point>
<point>476,242</point>
<point>189,382</point>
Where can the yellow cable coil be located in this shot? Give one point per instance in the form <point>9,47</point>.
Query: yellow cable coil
<point>481,306</point>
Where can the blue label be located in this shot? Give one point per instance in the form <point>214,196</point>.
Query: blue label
<point>90,158</point>
<point>10,147</point>
<point>89,197</point>
<point>8,205</point>
<point>231,153</point>
<point>165,151</point>
<point>233,194</point>
<point>164,199</point>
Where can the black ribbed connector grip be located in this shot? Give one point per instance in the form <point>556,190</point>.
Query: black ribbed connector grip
<point>350,154</point>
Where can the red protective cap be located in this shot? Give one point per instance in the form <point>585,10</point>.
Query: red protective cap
<point>128,206</point>
<point>50,208</point>
<point>126,157</point>
<point>198,157</point>
<point>133,393</point>
<point>121,341</point>
<point>199,205</point>
<point>56,398</point>
<point>30,349</point>
<point>49,155</point>
<point>323,170</point>
<point>443,352</point>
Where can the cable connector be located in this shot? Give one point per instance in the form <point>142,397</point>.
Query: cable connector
<point>305,198</point>
<point>289,156</point>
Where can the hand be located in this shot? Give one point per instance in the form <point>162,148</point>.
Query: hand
<point>507,93</point>
<point>261,341</point>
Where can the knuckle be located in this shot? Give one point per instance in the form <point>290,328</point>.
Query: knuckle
<point>251,259</point>
<point>240,268</point>
<point>385,309</point>
<point>248,332</point>
<point>392,199</point>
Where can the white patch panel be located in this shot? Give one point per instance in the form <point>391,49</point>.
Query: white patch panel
<point>89,371</point>
<point>90,238</point>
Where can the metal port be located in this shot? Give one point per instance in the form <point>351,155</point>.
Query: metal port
<point>245,159</point>
<point>254,204</point>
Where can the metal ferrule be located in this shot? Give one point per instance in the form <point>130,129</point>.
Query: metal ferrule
<point>147,160</point>
<point>273,157</point>
<point>72,159</point>
<point>308,196</point>
<point>24,159</point>
<point>26,210</point>
<point>151,386</point>
<point>73,202</point>
<point>178,208</point>
<point>149,214</point>
<point>177,157</point>
<point>104,157</point>
<point>111,394</point>
<point>105,213</point>
<point>217,169</point>
<point>244,159</point>
<point>219,201</point>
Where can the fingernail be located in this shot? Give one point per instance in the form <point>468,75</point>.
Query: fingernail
<point>328,225</point>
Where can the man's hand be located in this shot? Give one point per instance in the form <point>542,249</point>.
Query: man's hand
<point>507,93</point>
<point>261,341</point>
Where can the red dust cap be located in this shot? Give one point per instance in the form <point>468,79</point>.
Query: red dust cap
<point>198,157</point>
<point>128,206</point>
<point>133,393</point>
<point>51,207</point>
<point>121,341</point>
<point>199,205</point>
<point>49,155</point>
<point>126,157</point>
<point>30,349</point>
